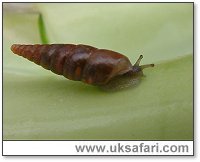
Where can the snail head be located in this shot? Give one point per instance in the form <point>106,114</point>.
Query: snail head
<point>137,69</point>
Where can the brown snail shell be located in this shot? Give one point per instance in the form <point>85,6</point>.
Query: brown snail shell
<point>81,62</point>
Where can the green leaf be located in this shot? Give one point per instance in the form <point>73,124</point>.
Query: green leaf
<point>160,31</point>
<point>41,105</point>
<point>42,30</point>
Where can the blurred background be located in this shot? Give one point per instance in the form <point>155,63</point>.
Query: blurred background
<point>41,105</point>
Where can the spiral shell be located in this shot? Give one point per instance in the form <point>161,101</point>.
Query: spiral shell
<point>76,62</point>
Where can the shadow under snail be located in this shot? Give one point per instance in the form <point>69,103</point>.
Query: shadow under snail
<point>100,67</point>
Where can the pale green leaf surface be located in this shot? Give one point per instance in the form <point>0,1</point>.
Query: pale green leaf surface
<point>41,105</point>
<point>159,31</point>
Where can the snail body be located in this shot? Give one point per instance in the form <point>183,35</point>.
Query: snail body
<point>81,62</point>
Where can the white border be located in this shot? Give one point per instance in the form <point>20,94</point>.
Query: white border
<point>197,77</point>
<point>108,148</point>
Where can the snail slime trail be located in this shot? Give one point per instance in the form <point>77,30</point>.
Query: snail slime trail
<point>99,67</point>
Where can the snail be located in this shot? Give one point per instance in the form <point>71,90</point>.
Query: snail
<point>99,67</point>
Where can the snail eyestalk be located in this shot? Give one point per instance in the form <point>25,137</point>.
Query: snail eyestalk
<point>137,69</point>
<point>138,61</point>
<point>146,66</point>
